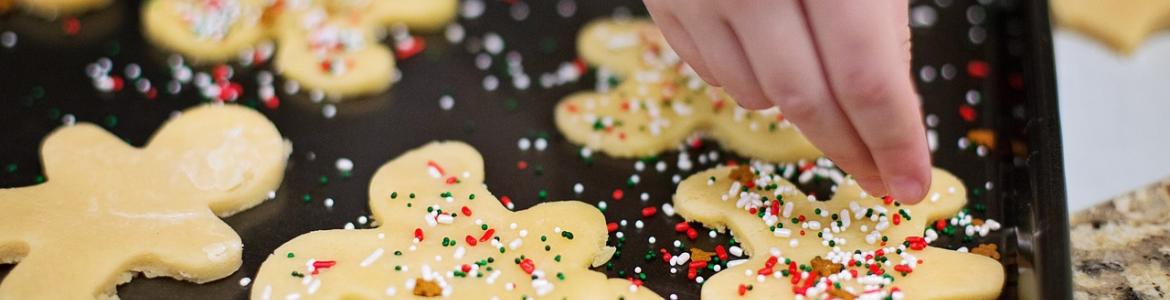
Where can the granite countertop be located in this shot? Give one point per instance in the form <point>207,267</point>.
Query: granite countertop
<point>1121,248</point>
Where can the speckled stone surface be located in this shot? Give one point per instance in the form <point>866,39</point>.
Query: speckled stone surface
<point>1121,248</point>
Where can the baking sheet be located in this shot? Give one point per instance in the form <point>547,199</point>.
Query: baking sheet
<point>44,81</point>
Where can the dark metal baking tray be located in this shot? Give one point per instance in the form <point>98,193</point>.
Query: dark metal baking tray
<point>43,78</point>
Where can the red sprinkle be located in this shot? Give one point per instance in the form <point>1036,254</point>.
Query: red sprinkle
<point>418,234</point>
<point>649,211</point>
<point>410,47</point>
<point>466,211</point>
<point>521,165</point>
<point>452,180</point>
<point>967,113</point>
<point>487,235</point>
<point>897,219</point>
<point>506,201</point>
<point>940,225</point>
<point>466,268</point>
<point>71,26</point>
<point>611,226</point>
<point>742,289</point>
<point>692,234</point>
<point>887,200</point>
<point>618,194</point>
<point>978,69</point>
<point>721,252</point>
<point>903,268</point>
<point>432,164</point>
<point>273,102</point>
<point>527,266</point>
<point>470,240</point>
<point>682,226</point>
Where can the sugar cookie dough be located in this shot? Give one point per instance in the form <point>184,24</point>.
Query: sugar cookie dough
<point>1123,24</point>
<point>57,8</point>
<point>798,244</point>
<point>661,101</point>
<point>442,233</point>
<point>330,45</point>
<point>109,210</point>
<point>207,31</point>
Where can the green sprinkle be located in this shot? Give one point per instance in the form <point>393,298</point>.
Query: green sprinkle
<point>557,258</point>
<point>297,274</point>
<point>542,195</point>
<point>394,195</point>
<point>567,234</point>
<point>483,227</point>
<point>561,276</point>
<point>471,197</point>
<point>307,198</point>
<point>291,255</point>
<point>411,195</point>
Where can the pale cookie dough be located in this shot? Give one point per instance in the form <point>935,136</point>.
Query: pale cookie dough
<point>206,31</point>
<point>442,233</point>
<point>788,234</point>
<point>57,8</point>
<point>1123,24</point>
<point>109,210</point>
<point>661,101</point>
<point>330,45</point>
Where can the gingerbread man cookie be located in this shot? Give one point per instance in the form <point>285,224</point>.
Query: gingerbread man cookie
<point>852,246</point>
<point>326,45</point>
<point>1123,24</point>
<point>109,210</point>
<point>442,233</point>
<point>661,101</point>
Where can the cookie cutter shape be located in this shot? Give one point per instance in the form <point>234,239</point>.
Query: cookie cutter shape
<point>442,233</point>
<point>109,210</point>
<point>784,231</point>
<point>661,102</point>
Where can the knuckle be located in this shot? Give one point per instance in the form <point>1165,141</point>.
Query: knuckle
<point>866,87</point>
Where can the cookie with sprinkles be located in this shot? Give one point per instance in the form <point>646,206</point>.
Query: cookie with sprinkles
<point>331,45</point>
<point>109,210</point>
<point>442,233</point>
<point>207,31</point>
<point>851,246</point>
<point>660,101</point>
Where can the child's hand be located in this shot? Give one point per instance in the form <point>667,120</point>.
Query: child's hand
<point>837,69</point>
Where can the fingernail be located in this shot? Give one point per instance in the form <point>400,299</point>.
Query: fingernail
<point>873,186</point>
<point>907,189</point>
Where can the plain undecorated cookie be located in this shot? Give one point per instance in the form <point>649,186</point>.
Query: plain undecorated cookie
<point>440,232</point>
<point>661,101</point>
<point>109,210</point>
<point>783,235</point>
<point>1122,24</point>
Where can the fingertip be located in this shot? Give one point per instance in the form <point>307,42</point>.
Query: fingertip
<point>909,189</point>
<point>872,186</point>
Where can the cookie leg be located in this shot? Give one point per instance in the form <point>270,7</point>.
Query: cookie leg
<point>55,275</point>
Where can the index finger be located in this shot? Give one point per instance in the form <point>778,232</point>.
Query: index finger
<point>862,54</point>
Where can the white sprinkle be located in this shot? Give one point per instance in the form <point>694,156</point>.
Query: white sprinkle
<point>372,258</point>
<point>390,291</point>
<point>578,188</point>
<point>245,281</point>
<point>446,102</point>
<point>363,220</point>
<point>329,111</point>
<point>638,224</point>
<point>540,144</point>
<point>349,226</point>
<point>668,209</point>
<point>8,39</point>
<point>523,144</point>
<point>493,43</point>
<point>328,202</point>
